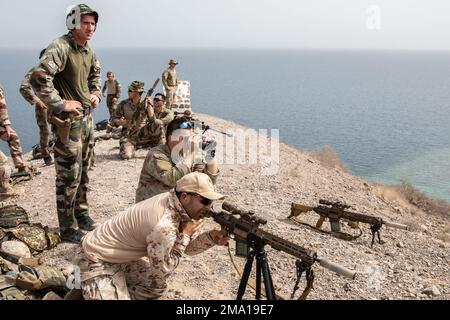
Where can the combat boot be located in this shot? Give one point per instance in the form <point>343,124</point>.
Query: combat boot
<point>48,160</point>
<point>72,235</point>
<point>87,224</point>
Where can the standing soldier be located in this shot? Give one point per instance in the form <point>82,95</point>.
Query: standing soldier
<point>10,136</point>
<point>67,80</point>
<point>112,90</point>
<point>41,115</point>
<point>170,82</point>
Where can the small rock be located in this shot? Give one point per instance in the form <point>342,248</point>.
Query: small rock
<point>432,291</point>
<point>400,245</point>
<point>409,268</point>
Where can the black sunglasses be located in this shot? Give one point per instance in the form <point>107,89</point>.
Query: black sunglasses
<point>156,99</point>
<point>203,200</point>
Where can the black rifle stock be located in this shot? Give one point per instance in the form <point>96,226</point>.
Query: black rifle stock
<point>335,212</point>
<point>247,226</point>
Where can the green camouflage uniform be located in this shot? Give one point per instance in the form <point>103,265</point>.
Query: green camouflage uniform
<point>150,131</point>
<point>170,82</point>
<point>12,139</point>
<point>159,174</point>
<point>153,132</point>
<point>41,114</point>
<point>68,71</point>
<point>109,97</point>
<point>132,113</point>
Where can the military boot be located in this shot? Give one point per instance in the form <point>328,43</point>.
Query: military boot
<point>87,224</point>
<point>48,160</point>
<point>72,235</point>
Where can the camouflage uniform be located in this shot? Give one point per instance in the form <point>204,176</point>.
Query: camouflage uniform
<point>153,132</point>
<point>41,114</point>
<point>70,72</point>
<point>5,173</point>
<point>13,139</point>
<point>150,131</point>
<point>159,174</point>
<point>170,82</point>
<point>132,113</point>
<point>138,269</point>
<point>109,97</point>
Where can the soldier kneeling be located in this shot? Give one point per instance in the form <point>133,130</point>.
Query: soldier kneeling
<point>131,255</point>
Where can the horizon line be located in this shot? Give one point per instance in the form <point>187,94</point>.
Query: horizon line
<point>249,48</point>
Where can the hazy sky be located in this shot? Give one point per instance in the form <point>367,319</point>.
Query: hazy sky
<point>365,24</point>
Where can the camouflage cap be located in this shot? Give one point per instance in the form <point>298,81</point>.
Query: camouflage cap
<point>173,61</point>
<point>76,12</point>
<point>137,86</point>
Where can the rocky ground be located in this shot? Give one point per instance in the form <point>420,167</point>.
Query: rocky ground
<point>410,265</point>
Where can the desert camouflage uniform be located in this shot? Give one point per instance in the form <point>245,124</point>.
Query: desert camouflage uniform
<point>159,174</point>
<point>41,114</point>
<point>144,278</point>
<point>68,71</point>
<point>5,173</point>
<point>109,98</point>
<point>13,139</point>
<point>170,82</point>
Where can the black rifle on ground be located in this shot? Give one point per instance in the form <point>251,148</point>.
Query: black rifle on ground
<point>335,212</point>
<point>250,241</point>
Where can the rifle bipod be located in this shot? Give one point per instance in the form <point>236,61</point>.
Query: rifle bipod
<point>262,269</point>
<point>302,267</point>
<point>376,231</point>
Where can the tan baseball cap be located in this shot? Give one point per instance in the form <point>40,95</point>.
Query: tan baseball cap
<point>199,183</point>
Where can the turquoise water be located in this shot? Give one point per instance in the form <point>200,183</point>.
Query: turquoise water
<point>386,114</point>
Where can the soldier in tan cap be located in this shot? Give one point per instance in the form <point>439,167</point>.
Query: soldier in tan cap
<point>170,82</point>
<point>131,255</point>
